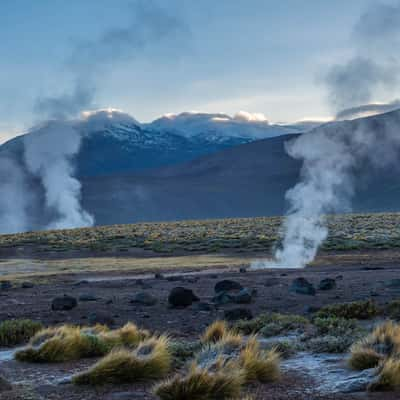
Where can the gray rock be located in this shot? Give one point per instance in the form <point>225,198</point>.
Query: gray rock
<point>222,298</point>
<point>27,285</point>
<point>203,306</point>
<point>63,303</point>
<point>271,282</point>
<point>302,286</point>
<point>145,299</point>
<point>327,284</point>
<point>244,296</point>
<point>393,284</point>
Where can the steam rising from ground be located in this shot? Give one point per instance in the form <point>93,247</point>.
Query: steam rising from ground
<point>50,148</point>
<point>332,153</point>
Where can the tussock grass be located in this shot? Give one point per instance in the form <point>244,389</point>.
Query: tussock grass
<point>202,384</point>
<point>66,343</point>
<point>215,332</point>
<point>14,332</point>
<point>389,376</point>
<point>258,365</point>
<point>150,360</point>
<point>382,343</point>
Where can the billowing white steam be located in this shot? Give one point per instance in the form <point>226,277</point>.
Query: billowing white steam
<point>49,153</point>
<point>14,198</point>
<point>49,150</point>
<point>332,155</point>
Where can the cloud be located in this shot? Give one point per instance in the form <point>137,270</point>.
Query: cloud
<point>367,110</point>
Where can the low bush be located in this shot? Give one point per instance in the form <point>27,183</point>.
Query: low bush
<point>18,331</point>
<point>273,324</point>
<point>354,310</point>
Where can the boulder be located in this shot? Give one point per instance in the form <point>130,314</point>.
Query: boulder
<point>327,284</point>
<point>302,286</point>
<point>181,297</point>
<point>245,296</point>
<point>227,285</point>
<point>222,298</point>
<point>145,299</point>
<point>235,314</point>
<point>63,303</point>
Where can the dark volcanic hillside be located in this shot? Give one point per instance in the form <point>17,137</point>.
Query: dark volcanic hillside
<point>247,180</point>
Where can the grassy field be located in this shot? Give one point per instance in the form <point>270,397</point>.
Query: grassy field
<point>351,231</point>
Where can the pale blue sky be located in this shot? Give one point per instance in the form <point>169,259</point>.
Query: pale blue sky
<point>264,56</point>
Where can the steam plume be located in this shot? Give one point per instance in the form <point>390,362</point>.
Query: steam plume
<point>374,65</point>
<point>50,149</point>
<point>332,153</point>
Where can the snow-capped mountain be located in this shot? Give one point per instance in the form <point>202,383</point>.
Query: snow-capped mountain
<point>114,142</point>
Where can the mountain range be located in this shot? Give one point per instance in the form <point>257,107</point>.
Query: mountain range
<point>193,166</point>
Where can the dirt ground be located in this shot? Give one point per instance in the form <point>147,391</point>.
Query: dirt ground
<point>359,276</point>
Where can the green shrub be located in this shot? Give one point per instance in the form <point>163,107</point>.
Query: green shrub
<point>273,324</point>
<point>354,310</point>
<point>18,331</point>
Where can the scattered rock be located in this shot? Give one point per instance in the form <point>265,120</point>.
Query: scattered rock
<point>63,303</point>
<point>222,298</point>
<point>181,297</point>
<point>327,284</point>
<point>87,297</point>
<point>243,297</point>
<point>27,285</point>
<point>302,286</point>
<point>5,386</point>
<point>101,318</point>
<point>238,313</point>
<point>226,285</point>
<point>4,285</point>
<point>145,299</point>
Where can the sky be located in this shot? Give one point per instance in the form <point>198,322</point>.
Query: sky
<point>260,56</point>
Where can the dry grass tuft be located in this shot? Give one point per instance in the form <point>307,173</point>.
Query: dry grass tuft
<point>389,376</point>
<point>382,343</point>
<point>258,365</point>
<point>67,343</point>
<point>215,332</point>
<point>202,384</point>
<point>151,360</point>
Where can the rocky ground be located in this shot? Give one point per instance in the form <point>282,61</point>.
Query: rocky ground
<point>116,298</point>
